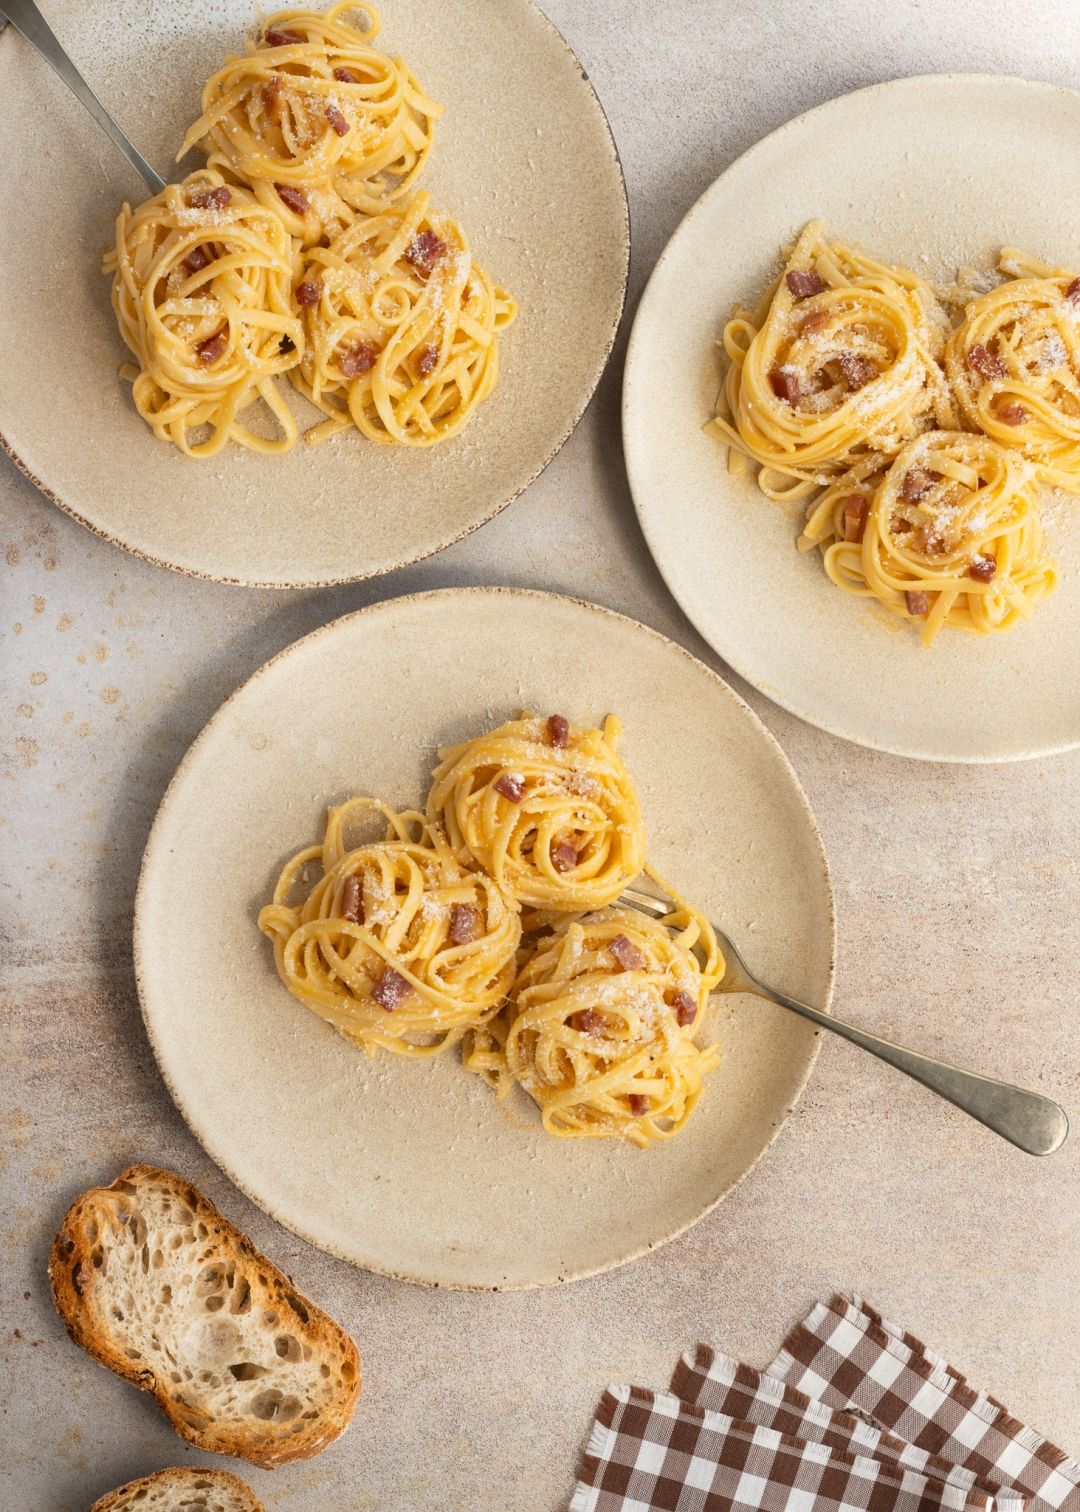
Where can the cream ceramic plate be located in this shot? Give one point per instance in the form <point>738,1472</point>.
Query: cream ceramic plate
<point>523,156</point>
<point>932,172</point>
<point>414,1169</point>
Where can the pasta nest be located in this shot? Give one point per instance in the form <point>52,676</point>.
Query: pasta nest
<point>557,825</point>
<point>1014,364</point>
<point>819,381</point>
<point>396,945</point>
<point>202,285</point>
<point>401,327</point>
<point>954,518</point>
<point>600,1030</point>
<point>313,108</point>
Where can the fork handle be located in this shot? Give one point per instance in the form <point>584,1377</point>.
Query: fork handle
<point>1028,1120</point>
<point>26,18</point>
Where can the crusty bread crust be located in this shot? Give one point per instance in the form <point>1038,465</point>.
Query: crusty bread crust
<point>169,1318</point>
<point>172,1490</point>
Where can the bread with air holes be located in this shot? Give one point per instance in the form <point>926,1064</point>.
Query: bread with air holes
<point>150,1278</point>
<point>182,1491</point>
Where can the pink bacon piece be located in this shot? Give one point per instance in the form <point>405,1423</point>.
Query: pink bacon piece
<point>390,990</point>
<point>627,954</point>
<point>462,923</point>
<point>804,283</point>
<point>685,1008</point>
<point>558,731</point>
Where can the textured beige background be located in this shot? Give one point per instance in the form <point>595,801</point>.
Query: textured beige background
<point>958,892</point>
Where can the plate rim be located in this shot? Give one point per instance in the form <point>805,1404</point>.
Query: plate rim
<point>635,343</point>
<point>589,393</point>
<point>153,853</point>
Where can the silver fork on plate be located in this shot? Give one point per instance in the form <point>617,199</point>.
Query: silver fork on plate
<point>27,19</point>
<point>1028,1120</point>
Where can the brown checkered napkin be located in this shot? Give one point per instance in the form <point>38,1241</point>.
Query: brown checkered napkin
<point>721,1384</point>
<point>651,1452</point>
<point>847,1356</point>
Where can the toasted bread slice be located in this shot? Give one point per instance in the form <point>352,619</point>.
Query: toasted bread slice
<point>157,1285</point>
<point>182,1491</point>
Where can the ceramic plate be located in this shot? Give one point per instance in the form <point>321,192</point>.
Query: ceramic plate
<point>932,172</point>
<point>524,158</point>
<point>414,1169</point>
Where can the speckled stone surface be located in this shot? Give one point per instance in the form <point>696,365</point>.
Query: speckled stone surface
<point>958,891</point>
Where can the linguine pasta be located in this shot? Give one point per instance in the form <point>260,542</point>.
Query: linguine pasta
<point>600,1030</point>
<point>918,448</point>
<point>546,808</point>
<point>316,121</point>
<point>395,944</point>
<point>202,291</point>
<point>400,327</point>
<point>484,921</point>
<point>314,141</point>
<point>950,534</point>
<point>1014,365</point>
<point>836,369</point>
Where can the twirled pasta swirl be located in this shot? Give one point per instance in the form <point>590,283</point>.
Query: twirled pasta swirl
<point>1014,364</point>
<point>544,807</point>
<point>401,327</point>
<point>949,535</point>
<point>202,283</point>
<point>397,945</point>
<point>837,366</point>
<point>600,1029</point>
<point>317,121</point>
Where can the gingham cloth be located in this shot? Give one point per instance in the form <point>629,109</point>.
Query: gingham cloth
<point>848,1356</point>
<point>731,1439</point>
<point>716,1381</point>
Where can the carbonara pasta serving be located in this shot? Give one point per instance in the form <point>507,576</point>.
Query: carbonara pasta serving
<point>919,447</point>
<point>1014,364</point>
<point>600,1029</point>
<point>949,535</point>
<point>314,141</point>
<point>400,327</point>
<point>487,921</point>
<point>202,291</point>
<point>546,808</point>
<point>395,944</point>
<point>315,120</point>
<point>836,369</point>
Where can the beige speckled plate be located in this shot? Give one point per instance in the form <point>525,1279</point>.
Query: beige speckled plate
<point>524,157</point>
<point>933,172</point>
<point>413,1169</point>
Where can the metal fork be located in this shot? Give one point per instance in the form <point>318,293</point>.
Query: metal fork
<point>1026,1119</point>
<point>26,18</point>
